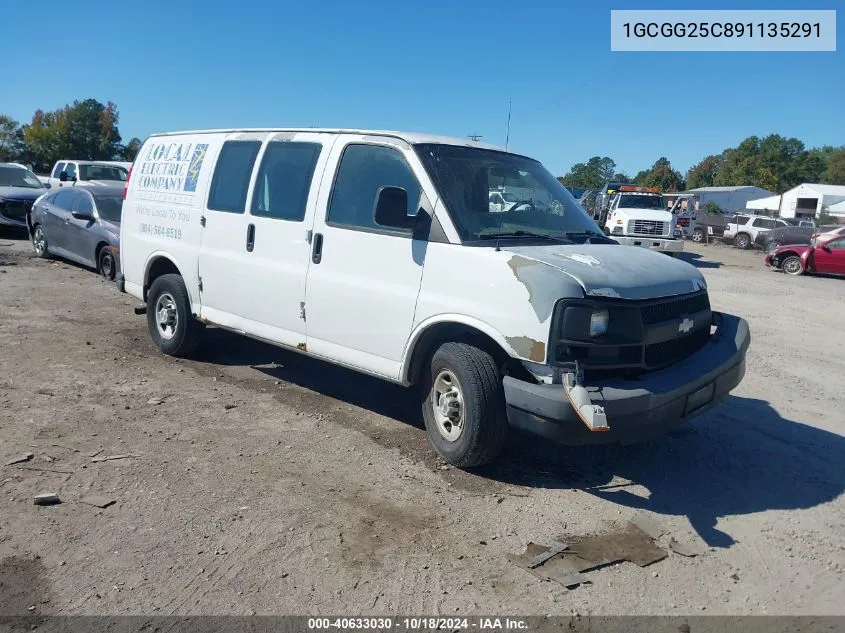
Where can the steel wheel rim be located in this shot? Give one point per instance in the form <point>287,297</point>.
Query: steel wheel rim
<point>447,404</point>
<point>38,240</point>
<point>166,315</point>
<point>107,264</point>
<point>791,266</point>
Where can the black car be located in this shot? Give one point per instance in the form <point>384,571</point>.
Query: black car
<point>19,188</point>
<point>769,240</point>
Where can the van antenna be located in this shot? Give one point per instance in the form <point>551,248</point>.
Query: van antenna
<point>508,136</point>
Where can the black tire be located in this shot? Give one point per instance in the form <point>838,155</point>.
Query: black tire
<point>38,234</point>
<point>743,241</point>
<point>105,263</point>
<point>698,235</point>
<point>484,422</point>
<point>792,266</point>
<point>186,331</point>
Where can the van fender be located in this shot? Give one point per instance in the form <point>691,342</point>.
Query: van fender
<point>460,319</point>
<point>155,255</point>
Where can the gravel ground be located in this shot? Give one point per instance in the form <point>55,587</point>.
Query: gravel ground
<point>264,482</point>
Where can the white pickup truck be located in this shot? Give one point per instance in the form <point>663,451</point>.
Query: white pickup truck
<point>637,216</point>
<point>67,173</point>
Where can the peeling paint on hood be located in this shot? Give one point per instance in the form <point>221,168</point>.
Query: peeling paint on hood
<point>626,272</point>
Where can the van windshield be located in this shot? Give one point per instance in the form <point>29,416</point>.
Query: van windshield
<point>536,204</point>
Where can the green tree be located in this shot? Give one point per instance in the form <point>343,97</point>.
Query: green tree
<point>12,146</point>
<point>592,175</point>
<point>704,173</point>
<point>86,130</point>
<point>774,162</point>
<point>661,175</point>
<point>834,173</point>
<point>129,151</point>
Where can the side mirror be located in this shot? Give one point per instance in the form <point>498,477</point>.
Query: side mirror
<point>63,176</point>
<point>392,209</point>
<point>47,185</point>
<point>83,215</point>
<point>825,248</point>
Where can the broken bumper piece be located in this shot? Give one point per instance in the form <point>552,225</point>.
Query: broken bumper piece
<point>664,245</point>
<point>637,409</point>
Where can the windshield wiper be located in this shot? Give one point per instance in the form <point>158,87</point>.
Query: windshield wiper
<point>586,235</point>
<point>509,234</point>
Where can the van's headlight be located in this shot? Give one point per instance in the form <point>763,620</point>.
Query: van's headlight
<point>598,322</point>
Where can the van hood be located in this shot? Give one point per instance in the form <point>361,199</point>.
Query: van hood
<point>615,271</point>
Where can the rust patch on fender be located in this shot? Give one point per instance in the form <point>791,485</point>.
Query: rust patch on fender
<point>528,347</point>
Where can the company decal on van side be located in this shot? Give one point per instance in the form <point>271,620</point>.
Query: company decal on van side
<point>171,168</point>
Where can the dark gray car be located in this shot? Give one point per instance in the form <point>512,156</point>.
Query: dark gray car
<point>81,224</point>
<point>19,188</point>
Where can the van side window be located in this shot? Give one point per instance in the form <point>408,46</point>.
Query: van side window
<point>58,169</point>
<point>231,176</point>
<point>284,180</point>
<point>363,170</point>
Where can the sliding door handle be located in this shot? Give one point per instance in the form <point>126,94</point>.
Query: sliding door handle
<point>317,249</point>
<point>250,237</point>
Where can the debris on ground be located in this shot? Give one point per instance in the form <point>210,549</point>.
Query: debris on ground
<point>20,459</point>
<point>155,401</point>
<point>109,458</point>
<point>648,525</point>
<point>565,563</point>
<point>95,453</point>
<point>97,501</point>
<point>46,499</point>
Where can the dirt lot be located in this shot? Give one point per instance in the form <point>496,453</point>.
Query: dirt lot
<point>264,482</point>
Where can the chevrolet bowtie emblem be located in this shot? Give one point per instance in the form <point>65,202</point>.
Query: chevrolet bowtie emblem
<point>685,326</point>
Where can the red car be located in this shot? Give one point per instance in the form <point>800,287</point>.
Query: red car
<point>825,256</point>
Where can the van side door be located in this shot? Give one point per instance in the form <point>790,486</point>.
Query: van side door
<point>364,279</point>
<point>225,289</point>
<point>280,214</point>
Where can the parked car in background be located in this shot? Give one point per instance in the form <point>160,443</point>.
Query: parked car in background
<point>709,224</point>
<point>19,188</point>
<point>744,229</point>
<point>768,240</point>
<point>71,172</point>
<point>80,224</point>
<point>799,222</point>
<point>822,256</point>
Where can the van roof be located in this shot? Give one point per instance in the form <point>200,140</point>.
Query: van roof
<point>408,137</point>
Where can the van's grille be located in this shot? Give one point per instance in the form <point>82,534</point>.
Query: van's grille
<point>647,227</point>
<point>668,352</point>
<point>672,309</point>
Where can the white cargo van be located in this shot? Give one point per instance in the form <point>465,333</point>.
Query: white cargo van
<point>379,251</point>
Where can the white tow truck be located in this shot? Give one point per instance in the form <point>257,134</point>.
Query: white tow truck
<point>637,216</point>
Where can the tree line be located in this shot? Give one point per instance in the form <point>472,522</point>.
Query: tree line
<point>774,163</point>
<point>84,130</point>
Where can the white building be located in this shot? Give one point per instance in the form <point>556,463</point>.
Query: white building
<point>729,199</point>
<point>804,201</point>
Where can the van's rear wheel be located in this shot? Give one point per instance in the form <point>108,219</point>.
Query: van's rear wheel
<point>172,325</point>
<point>464,405</point>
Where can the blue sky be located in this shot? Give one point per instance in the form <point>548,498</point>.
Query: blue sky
<point>434,66</point>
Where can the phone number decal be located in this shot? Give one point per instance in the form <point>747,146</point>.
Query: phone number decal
<point>157,230</point>
<point>723,30</point>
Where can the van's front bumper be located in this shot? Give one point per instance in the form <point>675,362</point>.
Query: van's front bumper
<point>664,245</point>
<point>641,408</point>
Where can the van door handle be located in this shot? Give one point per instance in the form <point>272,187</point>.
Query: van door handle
<point>317,252</point>
<point>250,237</point>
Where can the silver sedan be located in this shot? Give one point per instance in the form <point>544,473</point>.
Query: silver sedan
<point>81,224</point>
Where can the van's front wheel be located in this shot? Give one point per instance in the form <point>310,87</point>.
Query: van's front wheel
<point>172,325</point>
<point>463,405</point>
